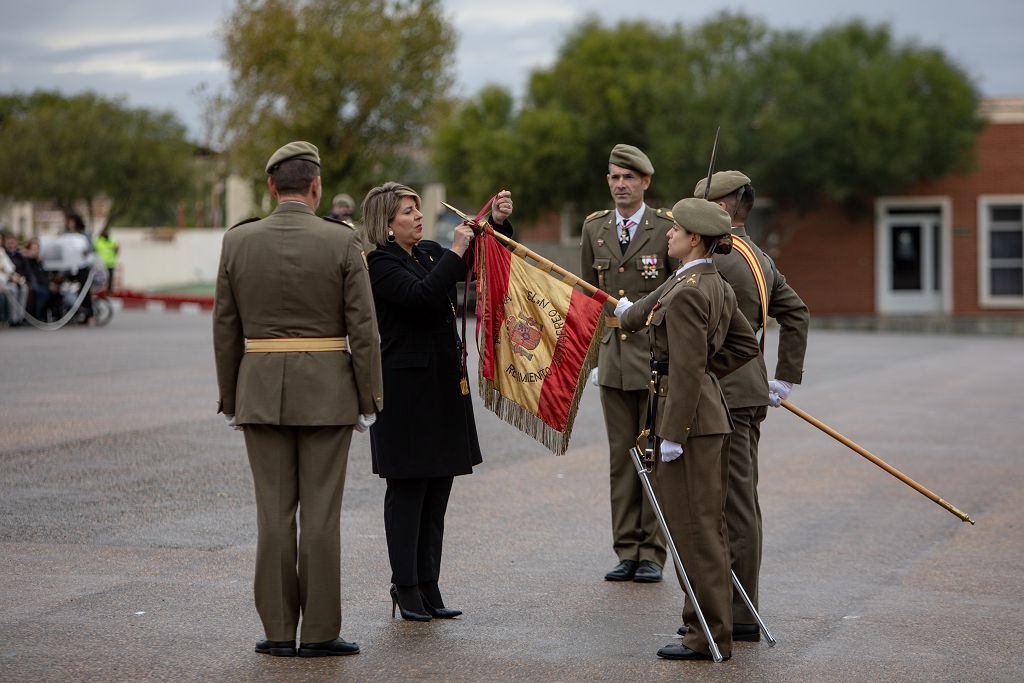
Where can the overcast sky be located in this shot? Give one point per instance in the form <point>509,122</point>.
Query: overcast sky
<point>157,53</point>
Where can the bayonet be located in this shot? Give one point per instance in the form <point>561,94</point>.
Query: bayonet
<point>711,166</point>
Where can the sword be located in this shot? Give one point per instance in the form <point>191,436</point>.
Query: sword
<point>639,456</point>
<point>711,166</point>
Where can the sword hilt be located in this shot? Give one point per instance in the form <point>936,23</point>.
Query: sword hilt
<point>644,453</point>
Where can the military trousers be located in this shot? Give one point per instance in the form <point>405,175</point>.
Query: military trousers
<point>692,491</point>
<point>742,509</point>
<point>635,533</point>
<point>298,574</point>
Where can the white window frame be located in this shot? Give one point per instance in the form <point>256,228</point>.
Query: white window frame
<point>882,206</point>
<point>985,297</point>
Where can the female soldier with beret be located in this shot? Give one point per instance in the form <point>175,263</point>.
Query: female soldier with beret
<point>426,435</point>
<point>697,336</point>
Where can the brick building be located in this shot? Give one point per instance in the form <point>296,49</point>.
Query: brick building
<point>950,248</point>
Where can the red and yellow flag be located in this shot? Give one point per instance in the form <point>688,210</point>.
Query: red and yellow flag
<point>538,341</point>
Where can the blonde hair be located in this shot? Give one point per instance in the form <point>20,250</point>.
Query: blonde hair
<point>380,206</point>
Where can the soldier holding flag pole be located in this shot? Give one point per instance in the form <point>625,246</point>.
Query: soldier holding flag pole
<point>761,293</point>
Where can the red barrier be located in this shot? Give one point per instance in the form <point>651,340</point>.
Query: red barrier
<point>132,299</point>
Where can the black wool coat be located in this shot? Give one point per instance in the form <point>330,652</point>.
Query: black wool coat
<point>426,428</point>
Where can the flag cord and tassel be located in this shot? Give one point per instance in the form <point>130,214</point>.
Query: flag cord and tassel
<point>543,264</point>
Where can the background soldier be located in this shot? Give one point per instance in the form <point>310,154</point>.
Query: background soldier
<point>342,208</point>
<point>748,390</point>
<point>624,252</point>
<point>293,295</point>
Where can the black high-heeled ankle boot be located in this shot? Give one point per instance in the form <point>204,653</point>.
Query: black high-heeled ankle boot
<point>407,599</point>
<point>430,595</point>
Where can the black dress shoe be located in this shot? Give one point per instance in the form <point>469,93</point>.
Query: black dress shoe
<point>647,572</point>
<point>276,648</point>
<point>623,571</point>
<point>748,632</point>
<point>678,651</point>
<point>339,647</point>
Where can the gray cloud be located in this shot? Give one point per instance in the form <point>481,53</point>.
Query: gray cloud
<point>156,53</point>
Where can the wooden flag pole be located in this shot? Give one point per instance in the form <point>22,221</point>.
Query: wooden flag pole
<point>878,461</point>
<point>546,265</point>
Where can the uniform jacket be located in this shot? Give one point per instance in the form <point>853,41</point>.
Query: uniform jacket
<point>428,429</point>
<point>696,327</point>
<point>293,274</point>
<point>624,359</point>
<point>748,386</point>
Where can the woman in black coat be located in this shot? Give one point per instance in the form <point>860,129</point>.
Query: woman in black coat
<point>426,434</point>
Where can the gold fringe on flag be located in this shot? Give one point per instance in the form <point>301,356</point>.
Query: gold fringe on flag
<point>528,423</point>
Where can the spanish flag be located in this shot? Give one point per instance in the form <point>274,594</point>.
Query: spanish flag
<point>538,338</point>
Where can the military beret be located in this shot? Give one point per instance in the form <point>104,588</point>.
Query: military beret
<point>629,156</point>
<point>343,199</point>
<point>723,183</point>
<point>702,217</point>
<point>294,150</point>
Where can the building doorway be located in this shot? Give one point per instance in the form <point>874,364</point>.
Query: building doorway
<point>913,265</point>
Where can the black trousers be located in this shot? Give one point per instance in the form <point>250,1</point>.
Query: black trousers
<point>414,523</point>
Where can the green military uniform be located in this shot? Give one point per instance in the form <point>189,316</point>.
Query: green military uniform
<point>746,391</point>
<point>624,366</point>
<point>696,336</point>
<point>295,279</point>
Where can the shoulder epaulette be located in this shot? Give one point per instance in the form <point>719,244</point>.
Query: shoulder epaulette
<point>247,220</point>
<point>664,213</point>
<point>347,224</point>
<point>597,214</point>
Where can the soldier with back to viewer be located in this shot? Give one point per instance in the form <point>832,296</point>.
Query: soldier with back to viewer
<point>298,367</point>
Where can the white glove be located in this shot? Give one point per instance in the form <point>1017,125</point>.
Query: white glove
<point>778,390</point>
<point>230,420</point>
<point>364,422</point>
<point>593,377</point>
<point>670,450</point>
<point>622,306</point>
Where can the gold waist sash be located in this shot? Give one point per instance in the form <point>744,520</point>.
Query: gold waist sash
<point>611,321</point>
<point>292,344</point>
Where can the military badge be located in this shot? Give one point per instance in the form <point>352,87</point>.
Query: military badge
<point>600,242</point>
<point>524,333</point>
<point>649,266</point>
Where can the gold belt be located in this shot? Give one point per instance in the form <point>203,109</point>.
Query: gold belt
<point>286,344</point>
<point>611,321</point>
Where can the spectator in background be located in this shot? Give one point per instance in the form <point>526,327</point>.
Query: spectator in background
<point>37,278</point>
<point>342,208</point>
<point>107,249</point>
<point>12,281</point>
<point>79,251</point>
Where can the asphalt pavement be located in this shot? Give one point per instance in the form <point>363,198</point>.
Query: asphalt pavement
<point>127,528</point>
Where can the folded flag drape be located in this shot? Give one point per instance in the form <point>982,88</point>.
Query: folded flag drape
<point>538,339</point>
